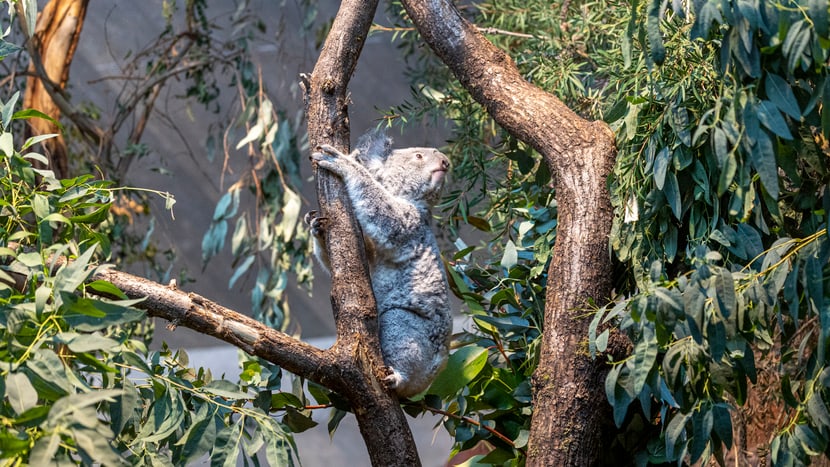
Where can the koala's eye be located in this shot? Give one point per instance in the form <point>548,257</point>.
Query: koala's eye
<point>419,155</point>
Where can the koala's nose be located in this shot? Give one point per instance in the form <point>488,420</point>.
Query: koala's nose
<point>445,163</point>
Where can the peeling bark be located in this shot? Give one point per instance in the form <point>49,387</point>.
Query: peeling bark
<point>54,40</point>
<point>568,397</point>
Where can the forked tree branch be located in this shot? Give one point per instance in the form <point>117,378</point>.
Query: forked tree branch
<point>568,401</point>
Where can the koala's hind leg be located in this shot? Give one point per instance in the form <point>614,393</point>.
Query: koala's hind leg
<point>413,357</point>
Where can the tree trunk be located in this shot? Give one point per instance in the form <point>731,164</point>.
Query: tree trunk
<point>568,397</point>
<point>55,39</point>
<point>382,422</point>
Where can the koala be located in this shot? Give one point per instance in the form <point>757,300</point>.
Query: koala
<point>392,192</point>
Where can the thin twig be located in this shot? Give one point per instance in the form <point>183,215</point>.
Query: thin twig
<point>472,421</point>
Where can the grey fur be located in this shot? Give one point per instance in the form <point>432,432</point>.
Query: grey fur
<point>392,192</point>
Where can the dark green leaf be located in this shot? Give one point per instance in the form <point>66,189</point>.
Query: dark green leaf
<point>297,421</point>
<point>226,389</point>
<point>672,193</point>
<point>674,431</point>
<point>763,161</point>
<point>645,355</point>
<point>818,14</point>
<point>7,48</point>
<point>462,366</point>
<point>781,94</point>
<point>200,435</point>
<point>88,314</point>
<point>722,424</point>
<point>655,37</point>
<point>813,443</point>
<point>770,117</point>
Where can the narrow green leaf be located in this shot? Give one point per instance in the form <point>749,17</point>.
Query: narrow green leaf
<point>672,193</point>
<point>30,15</point>
<point>107,288</point>
<point>200,435</point>
<point>297,421</point>
<point>645,355</point>
<point>818,14</point>
<point>7,144</point>
<point>674,432</point>
<point>241,269</point>
<point>335,418</point>
<point>661,165</point>
<point>702,427</point>
<point>7,48</point>
<point>763,161</point>
<point>817,409</point>
<point>123,410</point>
<point>725,292</point>
<point>94,217</point>
<point>813,443</point>
<point>34,139</point>
<point>86,342</point>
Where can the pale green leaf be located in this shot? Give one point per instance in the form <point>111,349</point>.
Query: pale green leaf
<point>20,392</point>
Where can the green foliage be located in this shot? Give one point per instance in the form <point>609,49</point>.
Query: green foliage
<point>268,241</point>
<point>722,180</point>
<point>78,384</point>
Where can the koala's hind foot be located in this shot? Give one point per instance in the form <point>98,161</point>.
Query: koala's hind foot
<point>393,380</point>
<point>317,225</point>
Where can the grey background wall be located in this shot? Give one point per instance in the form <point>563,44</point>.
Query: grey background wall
<point>112,29</point>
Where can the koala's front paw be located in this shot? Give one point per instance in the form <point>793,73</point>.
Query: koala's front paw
<point>326,160</point>
<point>317,225</point>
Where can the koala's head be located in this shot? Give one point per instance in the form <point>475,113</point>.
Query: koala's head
<point>416,174</point>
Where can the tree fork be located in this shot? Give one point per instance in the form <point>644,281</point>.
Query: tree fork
<point>569,402</point>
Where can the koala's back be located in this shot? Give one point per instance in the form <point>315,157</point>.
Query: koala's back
<point>413,310</point>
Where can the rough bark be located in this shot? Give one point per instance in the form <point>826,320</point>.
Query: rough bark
<point>568,397</point>
<point>382,423</point>
<point>54,42</point>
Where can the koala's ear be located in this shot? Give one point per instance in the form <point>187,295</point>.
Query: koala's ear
<point>373,148</point>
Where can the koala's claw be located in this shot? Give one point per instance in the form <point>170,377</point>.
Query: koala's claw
<point>329,150</point>
<point>394,379</point>
<point>317,225</point>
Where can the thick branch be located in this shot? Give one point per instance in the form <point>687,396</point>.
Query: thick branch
<point>382,423</point>
<point>200,314</point>
<point>569,403</point>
